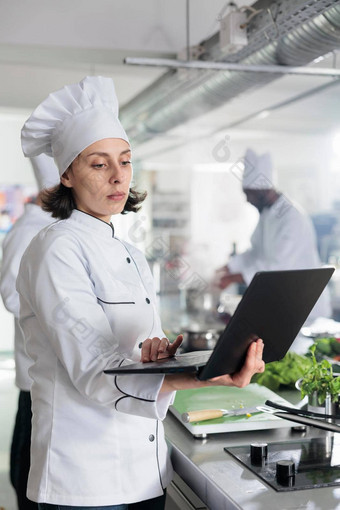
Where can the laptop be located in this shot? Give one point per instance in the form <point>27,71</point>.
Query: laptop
<point>274,307</point>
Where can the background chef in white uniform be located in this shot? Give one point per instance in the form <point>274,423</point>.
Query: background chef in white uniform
<point>14,245</point>
<point>87,303</point>
<point>284,237</point>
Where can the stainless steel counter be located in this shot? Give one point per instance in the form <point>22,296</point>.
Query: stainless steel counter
<point>223,483</point>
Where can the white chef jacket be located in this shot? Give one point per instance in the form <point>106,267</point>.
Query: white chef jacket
<point>87,301</point>
<point>15,243</point>
<point>284,238</point>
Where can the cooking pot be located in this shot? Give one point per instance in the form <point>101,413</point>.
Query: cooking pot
<point>200,340</point>
<point>227,306</point>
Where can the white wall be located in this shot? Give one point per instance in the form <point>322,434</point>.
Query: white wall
<point>15,168</point>
<point>220,217</point>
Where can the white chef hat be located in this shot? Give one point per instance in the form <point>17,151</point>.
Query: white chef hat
<point>258,171</point>
<point>45,171</point>
<point>71,119</point>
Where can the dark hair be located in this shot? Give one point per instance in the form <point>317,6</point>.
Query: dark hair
<point>59,201</point>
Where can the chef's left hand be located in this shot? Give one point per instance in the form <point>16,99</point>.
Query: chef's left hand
<point>159,348</point>
<point>252,365</point>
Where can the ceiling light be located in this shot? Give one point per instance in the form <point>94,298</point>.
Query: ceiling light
<point>264,114</point>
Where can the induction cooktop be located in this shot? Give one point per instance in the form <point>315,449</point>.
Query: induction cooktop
<point>293,465</point>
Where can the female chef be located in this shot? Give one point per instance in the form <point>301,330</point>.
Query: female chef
<point>88,303</point>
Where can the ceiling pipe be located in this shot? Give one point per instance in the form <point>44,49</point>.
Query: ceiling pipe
<point>243,120</point>
<point>229,66</point>
<point>180,95</point>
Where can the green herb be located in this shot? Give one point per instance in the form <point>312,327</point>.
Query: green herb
<point>320,379</point>
<point>329,347</point>
<point>284,372</point>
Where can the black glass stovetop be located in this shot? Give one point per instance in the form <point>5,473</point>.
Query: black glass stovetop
<point>316,462</point>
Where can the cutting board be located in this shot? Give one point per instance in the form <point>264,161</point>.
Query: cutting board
<point>222,397</point>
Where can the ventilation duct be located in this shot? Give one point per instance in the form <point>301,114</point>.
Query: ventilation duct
<point>297,37</point>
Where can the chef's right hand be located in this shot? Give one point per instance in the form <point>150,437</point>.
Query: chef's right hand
<point>159,348</point>
<point>223,278</point>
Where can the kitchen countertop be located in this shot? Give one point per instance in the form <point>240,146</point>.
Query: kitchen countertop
<point>222,482</point>
<point>218,479</point>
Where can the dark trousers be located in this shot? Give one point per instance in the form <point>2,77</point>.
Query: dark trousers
<point>150,504</point>
<point>20,451</point>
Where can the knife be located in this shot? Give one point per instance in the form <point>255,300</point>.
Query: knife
<point>332,427</point>
<point>210,414</point>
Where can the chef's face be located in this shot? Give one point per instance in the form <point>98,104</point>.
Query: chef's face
<point>100,178</point>
<point>258,198</point>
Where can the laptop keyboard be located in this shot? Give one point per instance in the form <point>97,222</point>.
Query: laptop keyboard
<point>189,358</point>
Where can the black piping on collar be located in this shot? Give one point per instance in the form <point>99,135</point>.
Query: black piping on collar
<point>95,217</point>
